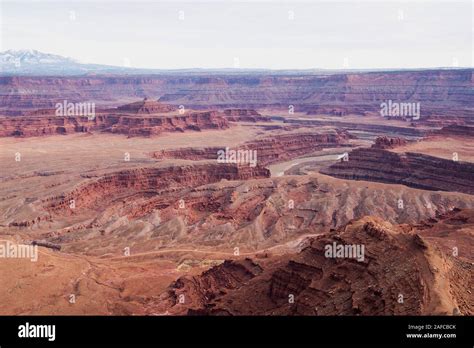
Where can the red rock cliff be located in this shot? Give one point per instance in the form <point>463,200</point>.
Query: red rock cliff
<point>410,169</point>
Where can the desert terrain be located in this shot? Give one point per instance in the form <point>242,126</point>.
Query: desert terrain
<point>135,212</point>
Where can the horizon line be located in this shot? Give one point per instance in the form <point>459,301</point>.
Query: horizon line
<point>234,69</point>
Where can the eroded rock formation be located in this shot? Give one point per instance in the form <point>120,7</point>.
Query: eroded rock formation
<point>146,182</point>
<point>443,93</point>
<point>401,273</point>
<point>245,115</point>
<point>270,149</point>
<point>146,106</point>
<point>410,169</point>
<point>160,210</point>
<point>366,127</point>
<point>131,125</point>
<point>388,143</point>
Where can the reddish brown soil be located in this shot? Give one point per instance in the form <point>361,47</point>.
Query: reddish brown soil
<point>403,273</point>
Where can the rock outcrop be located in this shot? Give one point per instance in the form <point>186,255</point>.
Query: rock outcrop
<point>269,149</point>
<point>150,125</point>
<point>388,143</point>
<point>131,125</point>
<point>360,126</point>
<point>147,182</point>
<point>410,169</point>
<point>384,270</point>
<point>245,115</point>
<point>189,153</point>
<point>251,214</point>
<point>341,110</point>
<point>146,106</point>
<point>46,244</point>
<point>199,290</point>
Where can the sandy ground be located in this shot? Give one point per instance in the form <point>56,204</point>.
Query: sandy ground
<point>123,285</point>
<point>51,165</point>
<point>444,147</point>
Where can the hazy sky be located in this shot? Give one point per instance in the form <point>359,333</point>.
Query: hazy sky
<point>250,34</point>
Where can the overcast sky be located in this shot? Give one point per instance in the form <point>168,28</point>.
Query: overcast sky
<point>251,34</point>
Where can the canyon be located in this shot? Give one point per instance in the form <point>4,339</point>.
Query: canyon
<point>134,213</point>
<point>411,169</point>
<point>396,277</point>
<point>443,94</point>
<point>271,149</point>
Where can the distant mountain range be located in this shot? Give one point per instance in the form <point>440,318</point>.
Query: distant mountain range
<point>32,62</point>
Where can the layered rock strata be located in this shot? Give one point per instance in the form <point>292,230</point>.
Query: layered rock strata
<point>146,106</point>
<point>131,125</point>
<point>245,115</point>
<point>269,149</point>
<point>365,127</point>
<point>410,169</point>
<point>390,270</point>
<point>438,91</point>
<point>147,182</point>
<point>456,130</point>
<point>388,143</point>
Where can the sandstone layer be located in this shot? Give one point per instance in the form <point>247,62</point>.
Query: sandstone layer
<point>131,125</point>
<point>156,213</point>
<point>146,106</point>
<point>360,126</point>
<point>388,143</point>
<point>145,225</point>
<point>269,149</point>
<point>411,169</point>
<point>401,273</point>
<point>245,115</point>
<point>415,261</point>
<point>148,182</point>
<point>444,94</point>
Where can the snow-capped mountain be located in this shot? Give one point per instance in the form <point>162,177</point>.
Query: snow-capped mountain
<point>20,57</point>
<point>32,62</point>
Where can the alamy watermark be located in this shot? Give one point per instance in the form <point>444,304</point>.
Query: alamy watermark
<point>351,251</point>
<point>237,156</point>
<point>10,250</point>
<point>75,109</point>
<point>400,109</point>
<point>37,331</point>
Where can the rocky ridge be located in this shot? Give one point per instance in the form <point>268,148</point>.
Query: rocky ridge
<point>270,149</point>
<point>410,169</point>
<point>131,125</point>
<point>401,273</point>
